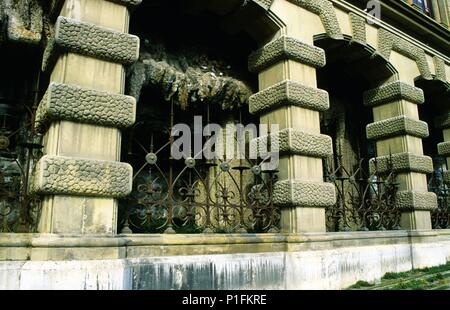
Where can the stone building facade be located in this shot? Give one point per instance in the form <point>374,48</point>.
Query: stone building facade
<point>359,91</point>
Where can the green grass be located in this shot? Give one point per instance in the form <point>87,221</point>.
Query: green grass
<point>361,284</point>
<point>417,279</point>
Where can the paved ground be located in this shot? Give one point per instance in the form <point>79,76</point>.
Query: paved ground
<point>435,278</point>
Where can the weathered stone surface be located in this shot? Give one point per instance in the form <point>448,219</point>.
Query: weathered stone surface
<point>56,5</point>
<point>358,24</point>
<point>393,91</point>
<point>444,148</point>
<point>294,193</point>
<point>388,41</point>
<point>397,126</point>
<point>23,20</point>
<point>439,64</point>
<point>294,142</point>
<point>77,176</point>
<point>90,40</point>
<point>412,200</point>
<point>285,48</point>
<point>402,162</point>
<point>288,93</point>
<point>325,10</point>
<point>265,4</point>
<point>74,103</point>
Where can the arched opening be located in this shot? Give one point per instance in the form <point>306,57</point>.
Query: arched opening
<point>364,201</point>
<point>20,146</point>
<point>437,103</point>
<point>192,76</point>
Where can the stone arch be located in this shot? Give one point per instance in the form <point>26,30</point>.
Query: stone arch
<point>325,10</point>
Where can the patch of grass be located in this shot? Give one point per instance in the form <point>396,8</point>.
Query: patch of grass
<point>411,285</point>
<point>395,275</point>
<point>417,279</point>
<point>361,284</point>
<point>436,277</point>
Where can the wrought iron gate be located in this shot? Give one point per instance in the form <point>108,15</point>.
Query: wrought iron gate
<point>193,195</point>
<point>19,149</point>
<point>365,201</point>
<point>440,217</point>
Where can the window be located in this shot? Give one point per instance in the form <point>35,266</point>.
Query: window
<point>424,5</point>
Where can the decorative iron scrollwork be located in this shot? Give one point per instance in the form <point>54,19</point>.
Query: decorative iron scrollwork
<point>440,217</point>
<point>197,195</point>
<point>19,149</point>
<point>365,201</point>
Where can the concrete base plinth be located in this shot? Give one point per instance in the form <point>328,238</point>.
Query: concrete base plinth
<point>310,261</point>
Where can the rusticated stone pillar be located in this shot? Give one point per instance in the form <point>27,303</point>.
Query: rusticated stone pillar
<point>398,133</point>
<point>80,175</point>
<point>290,98</point>
<point>443,122</point>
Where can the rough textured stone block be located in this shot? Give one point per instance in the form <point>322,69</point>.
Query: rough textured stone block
<point>388,41</point>
<point>325,10</point>
<point>289,93</point>
<point>294,193</point>
<point>446,176</point>
<point>73,103</point>
<point>358,24</point>
<point>397,126</point>
<point>294,142</point>
<point>439,64</point>
<point>412,200</point>
<point>393,91</point>
<point>77,176</point>
<point>90,40</point>
<point>402,162</point>
<point>444,148</point>
<point>285,48</point>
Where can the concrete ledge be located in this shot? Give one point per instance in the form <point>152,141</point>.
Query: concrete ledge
<point>285,48</point>
<point>295,193</point>
<point>309,261</point>
<point>393,91</point>
<point>402,162</point>
<point>424,201</point>
<point>82,247</point>
<point>90,40</point>
<point>73,103</point>
<point>288,93</point>
<point>444,149</point>
<point>397,126</point>
<point>294,142</point>
<point>76,176</point>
